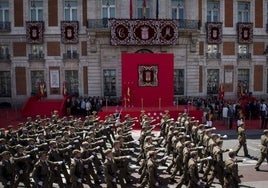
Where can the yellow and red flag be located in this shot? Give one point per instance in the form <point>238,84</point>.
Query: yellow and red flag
<point>128,94</point>
<point>64,89</point>
<point>144,8</point>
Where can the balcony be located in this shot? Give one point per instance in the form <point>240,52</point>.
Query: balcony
<point>5,58</point>
<point>244,56</point>
<point>181,23</point>
<point>36,57</point>
<point>5,26</point>
<point>71,56</point>
<point>212,56</point>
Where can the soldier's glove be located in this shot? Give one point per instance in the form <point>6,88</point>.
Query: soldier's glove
<point>114,180</point>
<point>21,171</point>
<point>60,162</point>
<point>156,184</point>
<point>132,149</point>
<point>200,147</point>
<point>27,156</point>
<point>199,183</point>
<point>85,166</point>
<point>98,147</point>
<point>8,183</point>
<point>79,180</point>
<point>209,158</point>
<point>35,149</point>
<point>91,157</point>
<point>40,183</point>
<point>128,157</point>
<point>69,147</point>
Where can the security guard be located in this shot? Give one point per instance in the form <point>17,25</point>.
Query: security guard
<point>264,149</point>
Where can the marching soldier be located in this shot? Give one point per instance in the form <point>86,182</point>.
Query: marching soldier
<point>22,167</point>
<point>178,161</point>
<point>194,181</point>
<point>218,163</point>
<point>55,154</point>
<point>264,149</point>
<point>77,172</point>
<point>7,170</point>
<point>41,172</point>
<point>242,140</point>
<point>88,167</point>
<point>121,158</point>
<point>152,170</point>
<point>110,170</point>
<point>231,177</point>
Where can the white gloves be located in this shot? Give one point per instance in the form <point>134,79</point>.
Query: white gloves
<point>91,157</point>
<point>40,183</point>
<point>114,180</point>
<point>79,180</point>
<point>85,166</point>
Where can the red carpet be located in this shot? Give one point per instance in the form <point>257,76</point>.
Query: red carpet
<point>35,106</point>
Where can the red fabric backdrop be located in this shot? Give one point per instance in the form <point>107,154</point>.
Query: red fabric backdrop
<point>147,96</point>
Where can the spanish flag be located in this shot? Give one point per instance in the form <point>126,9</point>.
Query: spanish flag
<point>128,94</point>
<point>221,91</point>
<point>64,89</point>
<point>144,9</point>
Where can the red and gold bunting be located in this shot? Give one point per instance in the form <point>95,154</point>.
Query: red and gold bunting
<point>35,32</point>
<point>69,32</point>
<point>214,32</point>
<point>245,33</point>
<point>144,32</point>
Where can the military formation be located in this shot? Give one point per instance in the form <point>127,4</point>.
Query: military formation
<point>75,152</point>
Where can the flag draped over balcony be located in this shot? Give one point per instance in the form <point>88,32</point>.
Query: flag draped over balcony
<point>130,9</point>
<point>144,8</point>
<point>157,9</point>
<point>42,91</point>
<point>64,89</point>
<point>128,94</point>
<point>221,92</point>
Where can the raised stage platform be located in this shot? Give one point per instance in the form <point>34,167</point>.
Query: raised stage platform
<point>153,112</point>
<point>43,107</point>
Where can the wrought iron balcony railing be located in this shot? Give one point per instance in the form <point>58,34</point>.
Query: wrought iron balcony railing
<point>71,56</point>
<point>182,24</point>
<point>244,56</point>
<point>4,57</point>
<point>36,57</point>
<point>5,26</point>
<point>213,55</point>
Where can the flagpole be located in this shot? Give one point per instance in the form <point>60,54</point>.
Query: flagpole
<point>157,9</point>
<point>130,9</point>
